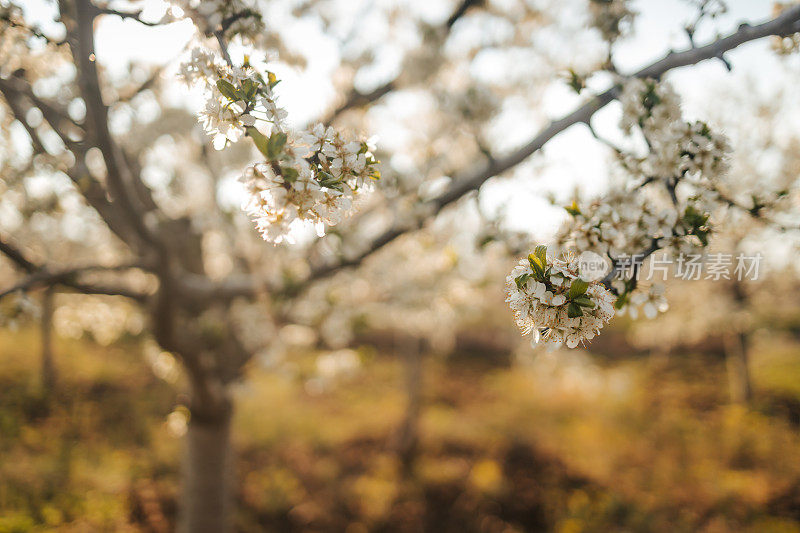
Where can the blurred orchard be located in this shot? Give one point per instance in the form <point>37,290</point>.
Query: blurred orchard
<point>456,265</point>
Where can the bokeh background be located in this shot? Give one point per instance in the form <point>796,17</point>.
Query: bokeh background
<point>399,396</point>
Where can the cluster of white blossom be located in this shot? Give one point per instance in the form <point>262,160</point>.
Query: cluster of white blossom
<point>785,44</point>
<point>648,105</point>
<point>308,178</point>
<point>553,303</point>
<point>616,223</point>
<point>676,148</point>
<point>201,68</point>
<point>229,96</point>
<point>331,368</point>
<point>651,301</point>
<point>611,17</point>
<point>675,194</point>
<point>625,222</point>
<point>669,206</point>
<point>788,44</point>
<point>315,181</point>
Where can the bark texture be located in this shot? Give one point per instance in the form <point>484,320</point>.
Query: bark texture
<point>207,503</point>
<point>737,360</point>
<point>48,362</point>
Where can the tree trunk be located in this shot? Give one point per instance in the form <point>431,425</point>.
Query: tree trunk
<point>408,435</point>
<point>207,503</point>
<point>48,363</point>
<point>736,358</point>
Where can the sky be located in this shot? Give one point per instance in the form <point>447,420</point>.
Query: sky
<point>572,159</point>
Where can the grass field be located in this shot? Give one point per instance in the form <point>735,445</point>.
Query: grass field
<point>564,442</point>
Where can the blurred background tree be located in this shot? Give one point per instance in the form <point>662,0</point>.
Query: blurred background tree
<point>117,209</point>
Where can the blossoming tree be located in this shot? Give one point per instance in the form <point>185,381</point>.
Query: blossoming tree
<point>762,178</point>
<point>133,207</point>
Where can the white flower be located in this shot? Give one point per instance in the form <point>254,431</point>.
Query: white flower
<point>537,289</point>
<point>316,138</point>
<point>202,66</point>
<point>274,113</point>
<point>225,122</point>
<point>651,302</point>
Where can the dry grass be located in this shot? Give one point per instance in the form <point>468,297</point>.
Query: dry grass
<point>563,443</point>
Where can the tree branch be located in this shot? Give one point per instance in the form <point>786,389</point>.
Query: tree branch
<point>16,87</point>
<point>756,212</point>
<point>223,47</point>
<point>16,110</point>
<point>41,275</point>
<point>466,182</point>
<point>15,91</point>
<point>33,31</point>
<point>462,10</point>
<point>119,177</point>
<point>357,99</point>
<point>149,82</point>
<point>786,23</point>
<point>132,15</point>
<point>16,255</point>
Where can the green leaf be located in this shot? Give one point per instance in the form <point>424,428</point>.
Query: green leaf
<point>621,301</point>
<point>273,79</point>
<point>261,142</point>
<point>695,218</point>
<point>541,253</point>
<point>289,173</point>
<point>275,145</point>
<point>576,81</point>
<point>522,280</point>
<point>584,301</point>
<point>703,236</point>
<point>577,288</point>
<point>573,209</point>
<point>326,180</point>
<point>536,266</point>
<point>538,260</point>
<point>574,310</point>
<point>250,89</point>
<point>228,90</point>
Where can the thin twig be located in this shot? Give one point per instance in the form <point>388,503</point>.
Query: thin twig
<point>131,15</point>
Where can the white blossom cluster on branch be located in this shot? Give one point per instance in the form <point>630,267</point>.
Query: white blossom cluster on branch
<point>553,303</point>
<point>307,178</point>
<point>612,18</point>
<point>785,44</point>
<point>667,203</point>
<point>676,148</point>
